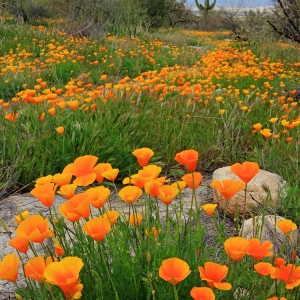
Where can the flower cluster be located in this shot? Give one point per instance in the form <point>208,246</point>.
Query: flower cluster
<point>59,268</point>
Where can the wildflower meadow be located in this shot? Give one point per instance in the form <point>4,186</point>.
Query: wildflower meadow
<point>144,119</point>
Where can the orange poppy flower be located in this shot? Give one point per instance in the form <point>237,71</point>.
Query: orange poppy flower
<point>101,168</point>
<point>152,187</point>
<point>135,219</point>
<point>129,194</point>
<point>76,208</point>
<point>42,117</point>
<point>162,179</point>
<point>236,247</point>
<point>266,132</point>
<point>82,169</point>
<point>149,172</point>
<point>52,111</point>
<point>259,251</point>
<point>12,117</point>
<point>286,226</point>
<point>19,243</point>
<point>279,261</point>
<point>73,104</point>
<point>43,180</point>
<point>60,129</point>
<point>97,228</point>
<point>264,268</point>
<point>62,179</point>
<point>45,193</point>
<point>192,180</point>
<point>276,298</point>
<point>273,120</point>
<point>65,274</point>
<point>143,156</point>
<point>98,196</point>
<point>257,126</point>
<point>245,171</point>
<point>134,180</point>
<point>112,216</point>
<point>174,270</point>
<point>167,193</point>
<point>35,229</point>
<point>179,184</point>
<point>111,174</point>
<point>22,216</point>
<point>154,232</point>
<point>188,158</point>
<point>289,274</point>
<point>59,251</point>
<point>57,247</point>
<point>35,268</point>
<point>214,273</point>
<point>227,188</point>
<point>209,208</point>
<point>202,293</point>
<point>9,267</point>
<point>68,190</point>
<point>62,105</point>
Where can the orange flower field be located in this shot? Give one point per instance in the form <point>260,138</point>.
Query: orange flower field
<point>127,131</point>
<point>85,245</point>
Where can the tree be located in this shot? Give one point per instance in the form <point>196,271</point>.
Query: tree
<point>179,13</point>
<point>28,9</point>
<point>286,19</point>
<point>158,11</point>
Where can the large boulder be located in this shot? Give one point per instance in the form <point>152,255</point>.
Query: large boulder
<point>263,190</point>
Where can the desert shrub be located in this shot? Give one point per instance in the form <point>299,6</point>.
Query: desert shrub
<point>285,19</point>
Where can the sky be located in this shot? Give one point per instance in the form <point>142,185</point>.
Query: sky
<point>240,3</point>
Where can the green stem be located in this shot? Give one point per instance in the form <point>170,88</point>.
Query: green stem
<point>32,249</point>
<point>108,273</point>
<point>120,200</point>
<point>63,145</point>
<point>167,221</point>
<point>284,245</point>
<point>225,212</point>
<point>109,204</point>
<point>157,208</point>
<point>149,212</point>
<point>191,209</point>
<point>175,292</point>
<point>180,208</point>
<point>233,277</point>
<point>244,213</point>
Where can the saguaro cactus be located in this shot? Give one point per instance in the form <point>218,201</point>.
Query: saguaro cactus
<point>206,7</point>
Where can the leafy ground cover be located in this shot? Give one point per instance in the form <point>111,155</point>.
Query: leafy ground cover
<point>64,97</point>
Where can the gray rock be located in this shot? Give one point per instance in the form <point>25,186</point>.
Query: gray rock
<point>265,229</point>
<point>262,191</point>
